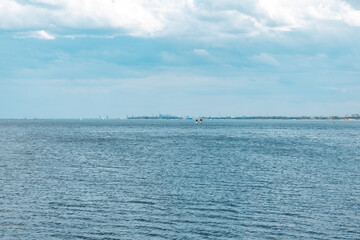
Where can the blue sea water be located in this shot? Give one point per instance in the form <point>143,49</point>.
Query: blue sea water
<point>172,179</point>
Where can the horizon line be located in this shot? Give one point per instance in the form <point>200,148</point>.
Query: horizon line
<point>187,117</point>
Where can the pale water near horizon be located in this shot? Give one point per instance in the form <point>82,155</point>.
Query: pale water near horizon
<point>158,179</point>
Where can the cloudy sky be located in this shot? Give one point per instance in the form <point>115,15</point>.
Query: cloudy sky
<point>85,58</point>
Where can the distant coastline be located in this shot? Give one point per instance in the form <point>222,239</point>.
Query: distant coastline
<point>347,117</point>
<point>173,117</point>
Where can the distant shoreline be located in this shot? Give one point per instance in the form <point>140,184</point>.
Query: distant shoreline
<point>245,118</point>
<point>197,118</point>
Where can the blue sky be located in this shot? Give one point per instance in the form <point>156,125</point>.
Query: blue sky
<point>82,58</point>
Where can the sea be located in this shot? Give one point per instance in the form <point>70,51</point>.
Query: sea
<point>173,179</point>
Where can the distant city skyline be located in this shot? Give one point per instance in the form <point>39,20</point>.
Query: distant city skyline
<point>353,116</point>
<point>74,58</point>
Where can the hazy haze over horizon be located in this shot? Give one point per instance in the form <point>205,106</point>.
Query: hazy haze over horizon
<point>78,58</point>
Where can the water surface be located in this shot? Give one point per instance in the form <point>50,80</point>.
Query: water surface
<point>122,179</point>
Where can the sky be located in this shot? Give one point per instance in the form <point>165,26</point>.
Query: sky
<point>91,58</point>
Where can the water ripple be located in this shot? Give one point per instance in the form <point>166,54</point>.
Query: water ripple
<point>62,179</point>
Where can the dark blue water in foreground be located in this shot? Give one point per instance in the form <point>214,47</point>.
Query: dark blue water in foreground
<point>175,180</point>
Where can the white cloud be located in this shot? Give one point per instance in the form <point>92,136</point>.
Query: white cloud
<point>134,17</point>
<point>293,14</point>
<point>43,35</point>
<point>198,18</point>
<point>35,34</point>
<point>201,52</point>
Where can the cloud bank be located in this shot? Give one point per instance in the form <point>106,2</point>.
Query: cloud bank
<point>228,18</point>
